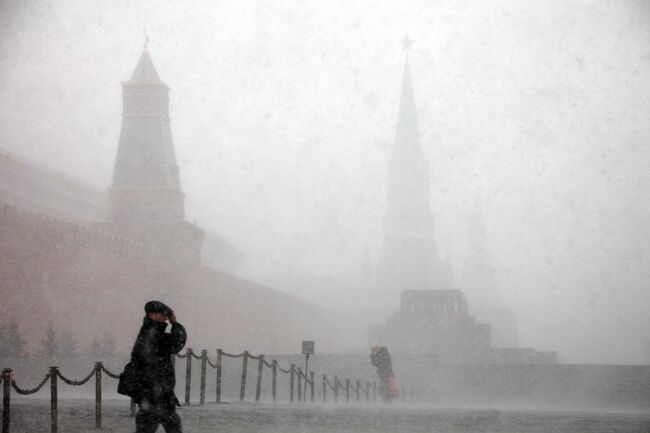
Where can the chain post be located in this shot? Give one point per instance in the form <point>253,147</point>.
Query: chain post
<point>204,362</point>
<point>324,389</point>
<point>188,376</point>
<point>291,380</point>
<point>274,385</point>
<point>311,377</point>
<point>54,403</point>
<point>336,388</point>
<point>258,387</point>
<point>299,374</point>
<point>358,390</point>
<point>219,357</point>
<point>374,392</point>
<point>367,391</point>
<point>347,390</point>
<point>98,395</point>
<point>244,372</point>
<point>7,377</point>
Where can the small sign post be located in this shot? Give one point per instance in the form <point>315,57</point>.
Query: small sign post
<point>307,349</point>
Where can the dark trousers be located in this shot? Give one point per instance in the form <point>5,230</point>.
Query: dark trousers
<point>150,416</point>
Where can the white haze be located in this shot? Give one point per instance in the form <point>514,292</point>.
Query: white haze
<point>283,116</point>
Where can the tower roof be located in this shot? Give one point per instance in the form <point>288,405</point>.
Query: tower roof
<point>410,258</point>
<point>407,139</point>
<point>145,71</point>
<point>408,193</point>
<point>146,175</point>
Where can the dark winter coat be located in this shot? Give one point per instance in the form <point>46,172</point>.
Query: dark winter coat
<point>152,357</point>
<point>381,360</point>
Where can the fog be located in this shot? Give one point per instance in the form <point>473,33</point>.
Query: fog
<point>283,118</point>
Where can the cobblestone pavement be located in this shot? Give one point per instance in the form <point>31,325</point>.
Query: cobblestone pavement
<point>77,416</point>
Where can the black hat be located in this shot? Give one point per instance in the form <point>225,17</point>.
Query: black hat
<point>157,307</point>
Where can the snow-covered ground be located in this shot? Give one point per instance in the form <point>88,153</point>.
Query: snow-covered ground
<point>77,416</point>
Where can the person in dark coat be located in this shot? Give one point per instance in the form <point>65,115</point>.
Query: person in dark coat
<point>380,358</point>
<point>152,356</point>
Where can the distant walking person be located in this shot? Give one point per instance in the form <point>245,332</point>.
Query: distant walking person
<point>380,358</point>
<point>155,377</point>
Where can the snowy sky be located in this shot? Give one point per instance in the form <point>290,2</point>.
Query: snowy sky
<point>283,115</point>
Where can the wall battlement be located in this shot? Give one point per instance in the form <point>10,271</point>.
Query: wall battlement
<point>60,231</point>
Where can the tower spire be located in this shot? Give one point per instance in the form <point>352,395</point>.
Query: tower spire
<point>408,171</point>
<point>145,71</point>
<point>146,202</point>
<point>410,257</point>
<point>146,181</point>
<point>407,45</point>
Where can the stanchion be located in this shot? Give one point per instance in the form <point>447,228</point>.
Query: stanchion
<point>347,390</point>
<point>324,389</point>
<point>299,385</point>
<point>336,388</point>
<point>204,362</point>
<point>98,395</point>
<point>274,385</point>
<point>258,387</point>
<point>291,373</point>
<point>188,376</point>
<point>311,378</point>
<point>54,407</point>
<point>357,391</point>
<point>244,372</point>
<point>219,357</point>
<point>7,377</point>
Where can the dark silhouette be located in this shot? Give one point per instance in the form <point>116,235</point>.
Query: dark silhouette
<point>380,358</point>
<point>155,378</point>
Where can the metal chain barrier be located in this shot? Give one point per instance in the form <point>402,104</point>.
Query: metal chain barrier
<point>287,371</point>
<point>189,355</point>
<point>234,356</point>
<point>299,372</point>
<point>329,384</point>
<point>210,362</point>
<point>109,374</point>
<point>76,382</point>
<point>30,391</point>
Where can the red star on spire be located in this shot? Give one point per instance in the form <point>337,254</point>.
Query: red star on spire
<point>407,43</point>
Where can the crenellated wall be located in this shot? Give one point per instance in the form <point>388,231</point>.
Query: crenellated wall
<point>91,282</point>
<point>80,279</point>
